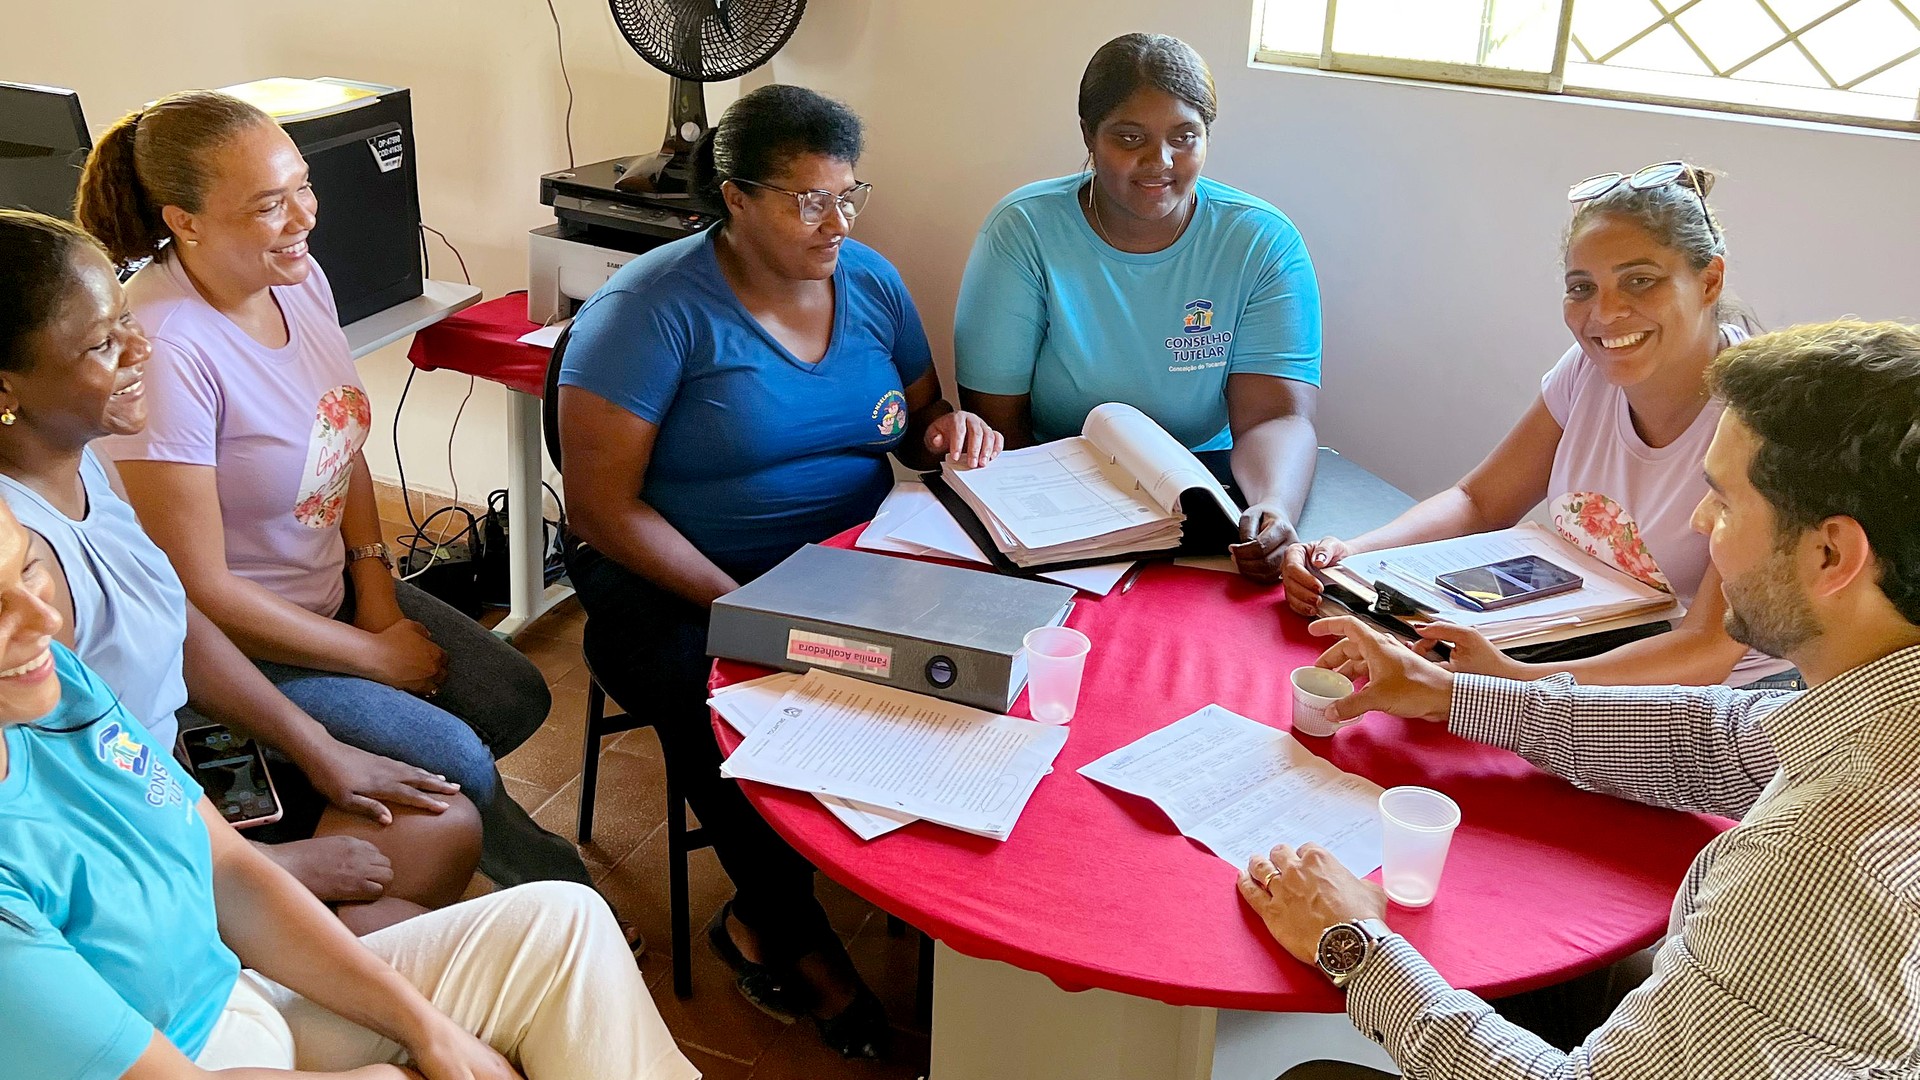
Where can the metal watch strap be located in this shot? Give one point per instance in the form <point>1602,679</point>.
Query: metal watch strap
<point>1369,931</point>
<point>376,550</point>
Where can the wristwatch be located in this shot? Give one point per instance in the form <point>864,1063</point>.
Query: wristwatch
<point>1346,947</point>
<point>370,551</point>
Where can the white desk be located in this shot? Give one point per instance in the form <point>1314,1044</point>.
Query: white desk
<point>438,300</point>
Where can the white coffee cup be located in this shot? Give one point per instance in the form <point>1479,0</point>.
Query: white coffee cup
<point>1315,689</point>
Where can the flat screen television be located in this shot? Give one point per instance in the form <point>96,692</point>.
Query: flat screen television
<point>43,144</point>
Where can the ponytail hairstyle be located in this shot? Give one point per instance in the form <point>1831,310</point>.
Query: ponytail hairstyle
<point>155,157</point>
<point>764,130</point>
<point>36,274</point>
<point>1131,62</point>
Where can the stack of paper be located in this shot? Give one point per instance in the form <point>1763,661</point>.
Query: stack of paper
<point>899,753</point>
<point>912,522</point>
<point>1064,501</point>
<point>744,704</point>
<point>1241,787</point>
<point>1113,490</point>
<point>1607,597</point>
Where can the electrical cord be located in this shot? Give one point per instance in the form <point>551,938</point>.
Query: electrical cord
<point>414,541</point>
<point>560,46</point>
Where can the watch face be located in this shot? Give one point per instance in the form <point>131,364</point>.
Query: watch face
<point>1342,949</point>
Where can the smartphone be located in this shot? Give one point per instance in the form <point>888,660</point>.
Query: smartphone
<point>1509,582</point>
<point>234,773</point>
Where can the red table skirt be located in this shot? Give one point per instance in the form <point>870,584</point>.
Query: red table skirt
<point>484,340</point>
<point>1096,888</point>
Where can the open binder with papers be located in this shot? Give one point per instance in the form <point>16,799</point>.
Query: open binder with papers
<point>1122,488</point>
<point>1609,609</point>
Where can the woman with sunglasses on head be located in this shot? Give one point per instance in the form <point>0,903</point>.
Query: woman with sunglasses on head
<point>724,400</point>
<point>142,939</point>
<point>380,839</point>
<point>249,473</point>
<point>1138,280</point>
<point>1624,416</point>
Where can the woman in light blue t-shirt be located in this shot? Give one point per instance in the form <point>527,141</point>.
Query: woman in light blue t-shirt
<point>1140,281</point>
<point>128,909</point>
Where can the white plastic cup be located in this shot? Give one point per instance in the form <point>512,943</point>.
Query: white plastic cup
<point>1416,827</point>
<point>1315,689</point>
<point>1056,658</point>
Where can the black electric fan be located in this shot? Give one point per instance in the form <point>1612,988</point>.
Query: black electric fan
<point>695,42</point>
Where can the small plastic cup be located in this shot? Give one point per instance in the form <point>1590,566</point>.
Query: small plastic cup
<point>1056,658</point>
<point>1315,689</point>
<point>1416,828</point>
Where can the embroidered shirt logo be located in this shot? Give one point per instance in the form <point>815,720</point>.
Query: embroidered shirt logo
<point>890,414</point>
<point>1199,317</point>
<point>117,747</point>
<point>1198,346</point>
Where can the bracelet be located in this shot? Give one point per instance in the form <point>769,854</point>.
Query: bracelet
<point>375,550</point>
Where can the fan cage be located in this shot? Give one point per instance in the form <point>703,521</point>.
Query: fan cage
<point>689,39</point>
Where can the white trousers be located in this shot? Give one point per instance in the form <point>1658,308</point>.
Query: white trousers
<point>539,972</point>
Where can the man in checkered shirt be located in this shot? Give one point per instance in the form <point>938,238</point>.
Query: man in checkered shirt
<point>1794,947</point>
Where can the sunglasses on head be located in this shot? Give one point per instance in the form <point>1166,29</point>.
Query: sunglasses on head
<point>1653,176</point>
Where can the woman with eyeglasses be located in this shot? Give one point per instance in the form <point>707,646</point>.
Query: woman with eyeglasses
<point>724,400</point>
<point>1621,425</point>
<point>1139,280</point>
<point>142,939</point>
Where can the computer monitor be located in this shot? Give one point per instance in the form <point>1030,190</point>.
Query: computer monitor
<point>43,144</point>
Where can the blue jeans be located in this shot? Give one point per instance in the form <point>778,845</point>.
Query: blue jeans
<point>493,700</point>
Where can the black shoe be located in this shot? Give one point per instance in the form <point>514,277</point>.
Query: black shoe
<point>759,984</point>
<point>860,1030</point>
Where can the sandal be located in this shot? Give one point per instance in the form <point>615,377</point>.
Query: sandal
<point>860,1030</point>
<point>763,988</point>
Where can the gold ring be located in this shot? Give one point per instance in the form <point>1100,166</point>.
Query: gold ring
<point>1265,881</point>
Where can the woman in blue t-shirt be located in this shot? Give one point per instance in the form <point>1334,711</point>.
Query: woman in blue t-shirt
<point>141,938</point>
<point>724,400</point>
<point>1140,281</point>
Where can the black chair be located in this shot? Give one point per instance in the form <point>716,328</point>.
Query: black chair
<point>601,723</point>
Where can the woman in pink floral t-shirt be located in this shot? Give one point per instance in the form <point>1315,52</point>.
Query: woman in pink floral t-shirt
<point>249,473</point>
<point>1615,440</point>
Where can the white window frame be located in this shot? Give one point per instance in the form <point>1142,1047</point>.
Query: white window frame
<point>1553,81</point>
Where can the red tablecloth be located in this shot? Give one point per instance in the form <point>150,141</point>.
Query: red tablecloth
<point>484,340</point>
<point>1097,888</point>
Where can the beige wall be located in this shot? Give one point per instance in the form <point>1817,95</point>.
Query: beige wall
<point>1433,213</point>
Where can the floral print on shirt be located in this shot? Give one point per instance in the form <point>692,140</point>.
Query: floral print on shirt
<point>1603,529</point>
<point>341,421</point>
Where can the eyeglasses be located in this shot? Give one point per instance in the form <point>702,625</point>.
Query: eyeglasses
<point>815,205</point>
<point>1653,176</point>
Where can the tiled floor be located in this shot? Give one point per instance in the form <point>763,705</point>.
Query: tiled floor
<point>726,1037</point>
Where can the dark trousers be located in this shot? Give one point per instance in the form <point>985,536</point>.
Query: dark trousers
<point>648,649</point>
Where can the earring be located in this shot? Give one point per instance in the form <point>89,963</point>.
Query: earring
<point>7,417</point>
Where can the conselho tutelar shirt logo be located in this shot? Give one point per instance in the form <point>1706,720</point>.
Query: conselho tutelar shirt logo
<point>1198,344</point>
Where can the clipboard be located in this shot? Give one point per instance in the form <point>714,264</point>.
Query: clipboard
<point>1204,533</point>
<point>1543,652</point>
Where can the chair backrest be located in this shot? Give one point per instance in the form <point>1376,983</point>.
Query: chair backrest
<point>550,399</point>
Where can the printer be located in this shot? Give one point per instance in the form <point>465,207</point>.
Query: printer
<point>597,229</point>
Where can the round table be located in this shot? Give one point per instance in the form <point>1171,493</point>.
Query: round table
<point>1095,888</point>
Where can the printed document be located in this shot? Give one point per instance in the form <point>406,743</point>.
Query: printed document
<point>743,705</point>
<point>1114,489</point>
<point>909,753</point>
<point>1605,592</point>
<point>1240,787</point>
<point>911,521</point>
